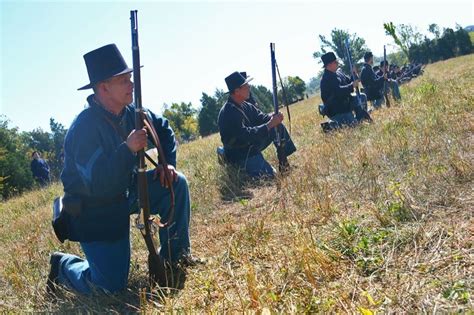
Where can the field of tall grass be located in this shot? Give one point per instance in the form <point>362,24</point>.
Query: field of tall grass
<point>378,218</point>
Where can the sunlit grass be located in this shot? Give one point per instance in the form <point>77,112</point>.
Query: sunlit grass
<point>373,219</point>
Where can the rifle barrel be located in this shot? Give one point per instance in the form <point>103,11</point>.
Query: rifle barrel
<point>384,70</point>
<point>349,58</point>
<point>274,85</point>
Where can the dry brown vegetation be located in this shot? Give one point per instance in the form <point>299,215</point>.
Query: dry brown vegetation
<point>373,219</point>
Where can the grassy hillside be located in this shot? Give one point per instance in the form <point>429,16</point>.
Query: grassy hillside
<point>373,219</point>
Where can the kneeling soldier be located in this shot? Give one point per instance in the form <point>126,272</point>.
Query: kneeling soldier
<point>336,89</point>
<point>100,162</point>
<point>246,131</point>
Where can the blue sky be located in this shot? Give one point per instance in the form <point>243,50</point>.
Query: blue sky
<point>186,47</point>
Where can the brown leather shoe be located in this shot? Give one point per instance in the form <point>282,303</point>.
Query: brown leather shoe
<point>189,260</point>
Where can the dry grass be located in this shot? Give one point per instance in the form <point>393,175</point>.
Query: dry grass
<point>373,219</point>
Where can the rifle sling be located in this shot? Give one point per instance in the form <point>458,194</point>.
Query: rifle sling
<point>284,96</point>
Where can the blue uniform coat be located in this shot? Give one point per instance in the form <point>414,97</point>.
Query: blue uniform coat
<point>372,83</point>
<point>243,130</point>
<point>99,169</point>
<point>336,89</point>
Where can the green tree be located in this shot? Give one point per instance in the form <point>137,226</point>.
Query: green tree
<point>434,29</point>
<point>15,173</point>
<point>313,85</point>
<point>182,118</point>
<point>398,58</point>
<point>447,44</point>
<point>190,128</point>
<point>263,97</point>
<point>58,134</point>
<point>221,97</point>
<point>38,140</point>
<point>336,44</point>
<point>450,44</point>
<point>50,145</point>
<point>404,35</point>
<point>207,118</point>
<point>297,86</point>
<point>294,87</point>
<point>424,52</point>
<point>463,42</point>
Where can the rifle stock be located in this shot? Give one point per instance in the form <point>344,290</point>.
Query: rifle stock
<point>283,164</point>
<point>156,267</point>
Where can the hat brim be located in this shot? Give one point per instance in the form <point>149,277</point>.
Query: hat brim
<point>337,59</point>
<point>247,80</point>
<point>91,85</point>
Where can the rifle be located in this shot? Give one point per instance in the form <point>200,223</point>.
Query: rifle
<point>146,223</point>
<point>283,165</point>
<point>361,112</point>
<point>406,73</point>
<point>387,100</point>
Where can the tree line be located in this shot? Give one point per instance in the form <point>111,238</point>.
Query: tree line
<point>445,44</point>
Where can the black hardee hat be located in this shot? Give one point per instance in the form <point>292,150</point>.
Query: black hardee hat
<point>327,58</point>
<point>236,80</point>
<point>103,63</point>
<point>368,55</point>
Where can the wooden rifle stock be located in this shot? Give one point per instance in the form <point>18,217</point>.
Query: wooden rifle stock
<point>283,165</point>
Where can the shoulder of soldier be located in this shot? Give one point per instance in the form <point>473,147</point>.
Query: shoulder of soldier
<point>83,123</point>
<point>327,75</point>
<point>86,116</point>
<point>227,113</point>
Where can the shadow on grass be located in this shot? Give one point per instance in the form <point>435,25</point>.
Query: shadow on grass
<point>235,184</point>
<point>138,297</point>
<point>67,302</point>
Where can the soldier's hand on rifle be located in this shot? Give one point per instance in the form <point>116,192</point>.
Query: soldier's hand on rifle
<point>355,83</point>
<point>161,174</point>
<point>275,120</point>
<point>137,140</point>
<point>354,71</point>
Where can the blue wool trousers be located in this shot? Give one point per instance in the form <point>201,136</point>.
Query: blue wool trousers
<point>107,263</point>
<point>256,166</point>
<point>378,103</point>
<point>395,90</point>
